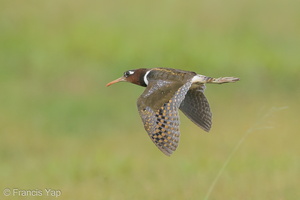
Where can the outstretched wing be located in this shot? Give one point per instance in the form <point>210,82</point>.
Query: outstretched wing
<point>159,114</point>
<point>195,106</point>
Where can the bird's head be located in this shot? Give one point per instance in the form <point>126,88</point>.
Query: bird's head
<point>136,76</point>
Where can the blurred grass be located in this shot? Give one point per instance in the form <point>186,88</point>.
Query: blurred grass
<point>61,128</point>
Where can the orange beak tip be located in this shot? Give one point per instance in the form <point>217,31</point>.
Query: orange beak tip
<point>115,81</point>
<point>110,83</point>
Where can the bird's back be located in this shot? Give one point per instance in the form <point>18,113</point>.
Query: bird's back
<point>171,75</point>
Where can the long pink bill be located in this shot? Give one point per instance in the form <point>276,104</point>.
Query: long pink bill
<point>116,81</point>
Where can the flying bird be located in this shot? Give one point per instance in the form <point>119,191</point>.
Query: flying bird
<point>168,90</point>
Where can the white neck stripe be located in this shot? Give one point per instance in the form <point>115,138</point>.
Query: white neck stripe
<point>145,77</point>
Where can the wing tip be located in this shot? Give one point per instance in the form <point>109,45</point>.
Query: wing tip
<point>166,152</point>
<point>207,130</point>
<point>206,126</point>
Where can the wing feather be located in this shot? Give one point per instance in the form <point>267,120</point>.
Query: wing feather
<point>196,107</point>
<point>162,124</point>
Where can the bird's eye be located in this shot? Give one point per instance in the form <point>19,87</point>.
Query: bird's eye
<point>128,73</point>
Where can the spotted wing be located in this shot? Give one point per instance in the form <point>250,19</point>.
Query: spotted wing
<point>196,107</point>
<point>162,124</point>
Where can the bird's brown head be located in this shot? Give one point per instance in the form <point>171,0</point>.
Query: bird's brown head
<point>135,76</point>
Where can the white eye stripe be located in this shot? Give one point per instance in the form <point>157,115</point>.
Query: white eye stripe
<point>129,73</point>
<point>145,77</point>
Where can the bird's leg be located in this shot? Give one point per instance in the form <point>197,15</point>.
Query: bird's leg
<point>204,79</point>
<point>223,80</point>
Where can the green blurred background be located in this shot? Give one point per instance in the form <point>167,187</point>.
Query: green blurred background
<point>61,128</point>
